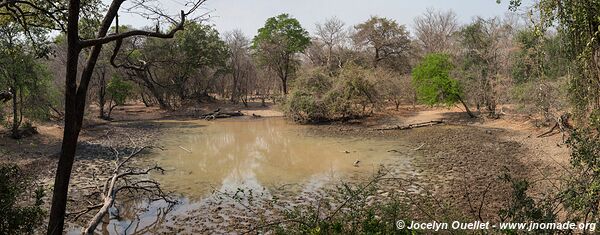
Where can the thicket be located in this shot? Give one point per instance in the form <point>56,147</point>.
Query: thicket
<point>318,96</point>
<point>21,205</point>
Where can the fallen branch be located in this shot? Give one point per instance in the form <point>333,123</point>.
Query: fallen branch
<point>124,179</point>
<point>412,126</point>
<point>219,114</point>
<point>545,134</point>
<point>563,125</point>
<point>187,150</point>
<point>418,148</point>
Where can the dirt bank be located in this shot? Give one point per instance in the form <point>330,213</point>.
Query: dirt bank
<point>465,158</point>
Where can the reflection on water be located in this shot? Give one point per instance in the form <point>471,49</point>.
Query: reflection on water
<point>205,160</point>
<point>258,154</point>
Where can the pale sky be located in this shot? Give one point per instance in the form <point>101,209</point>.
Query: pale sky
<point>249,15</point>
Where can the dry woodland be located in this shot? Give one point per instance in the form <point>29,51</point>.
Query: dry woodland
<point>179,128</point>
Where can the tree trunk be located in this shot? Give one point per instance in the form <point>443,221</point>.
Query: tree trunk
<point>75,97</point>
<point>153,90</point>
<point>110,108</point>
<point>71,129</point>
<point>102,95</point>
<point>72,125</point>
<point>466,108</point>
<point>16,117</point>
<point>234,90</point>
<point>144,100</point>
<point>74,111</point>
<point>376,59</point>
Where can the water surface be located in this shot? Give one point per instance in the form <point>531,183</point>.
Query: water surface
<point>206,160</point>
<point>202,156</point>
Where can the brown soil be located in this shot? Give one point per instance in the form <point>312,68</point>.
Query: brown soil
<point>466,157</point>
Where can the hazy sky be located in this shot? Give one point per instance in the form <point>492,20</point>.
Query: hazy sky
<point>249,15</point>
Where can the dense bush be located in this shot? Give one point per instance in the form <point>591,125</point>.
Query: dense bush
<point>305,103</point>
<point>317,96</point>
<point>21,212</point>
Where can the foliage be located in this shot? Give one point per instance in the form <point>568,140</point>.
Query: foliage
<point>318,96</point>
<point>485,58</point>
<point>285,31</point>
<point>176,70</point>
<point>17,216</point>
<point>539,56</point>
<point>352,93</point>
<point>305,103</point>
<point>119,90</point>
<point>351,209</point>
<point>583,190</point>
<point>540,73</point>
<point>23,72</point>
<point>200,45</point>
<point>276,44</point>
<point>433,83</point>
<point>579,23</point>
<point>523,207</point>
<point>544,96</point>
<point>393,87</point>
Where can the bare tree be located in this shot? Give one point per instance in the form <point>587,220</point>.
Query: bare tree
<point>332,33</point>
<point>485,54</point>
<point>435,30</point>
<point>384,38</point>
<point>240,65</point>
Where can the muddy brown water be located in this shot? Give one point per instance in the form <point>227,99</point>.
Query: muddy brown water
<point>206,160</point>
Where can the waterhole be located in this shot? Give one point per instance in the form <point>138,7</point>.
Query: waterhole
<point>206,160</point>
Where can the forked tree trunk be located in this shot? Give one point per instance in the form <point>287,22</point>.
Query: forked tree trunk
<point>75,97</point>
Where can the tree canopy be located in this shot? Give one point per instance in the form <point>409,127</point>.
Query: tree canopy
<point>276,44</point>
<point>385,38</point>
<point>433,82</point>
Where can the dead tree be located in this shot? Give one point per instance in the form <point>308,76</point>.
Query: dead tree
<point>563,124</point>
<point>124,182</point>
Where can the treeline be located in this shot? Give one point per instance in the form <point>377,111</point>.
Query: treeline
<point>338,72</point>
<point>490,65</point>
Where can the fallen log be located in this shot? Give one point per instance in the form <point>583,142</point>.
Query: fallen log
<point>546,134</point>
<point>562,123</point>
<point>411,126</point>
<point>219,114</point>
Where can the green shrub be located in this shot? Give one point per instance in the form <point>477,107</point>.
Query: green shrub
<point>305,103</point>
<point>119,90</point>
<point>349,209</point>
<point>353,93</point>
<point>305,107</point>
<point>433,83</point>
<point>317,96</point>
<point>17,217</point>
